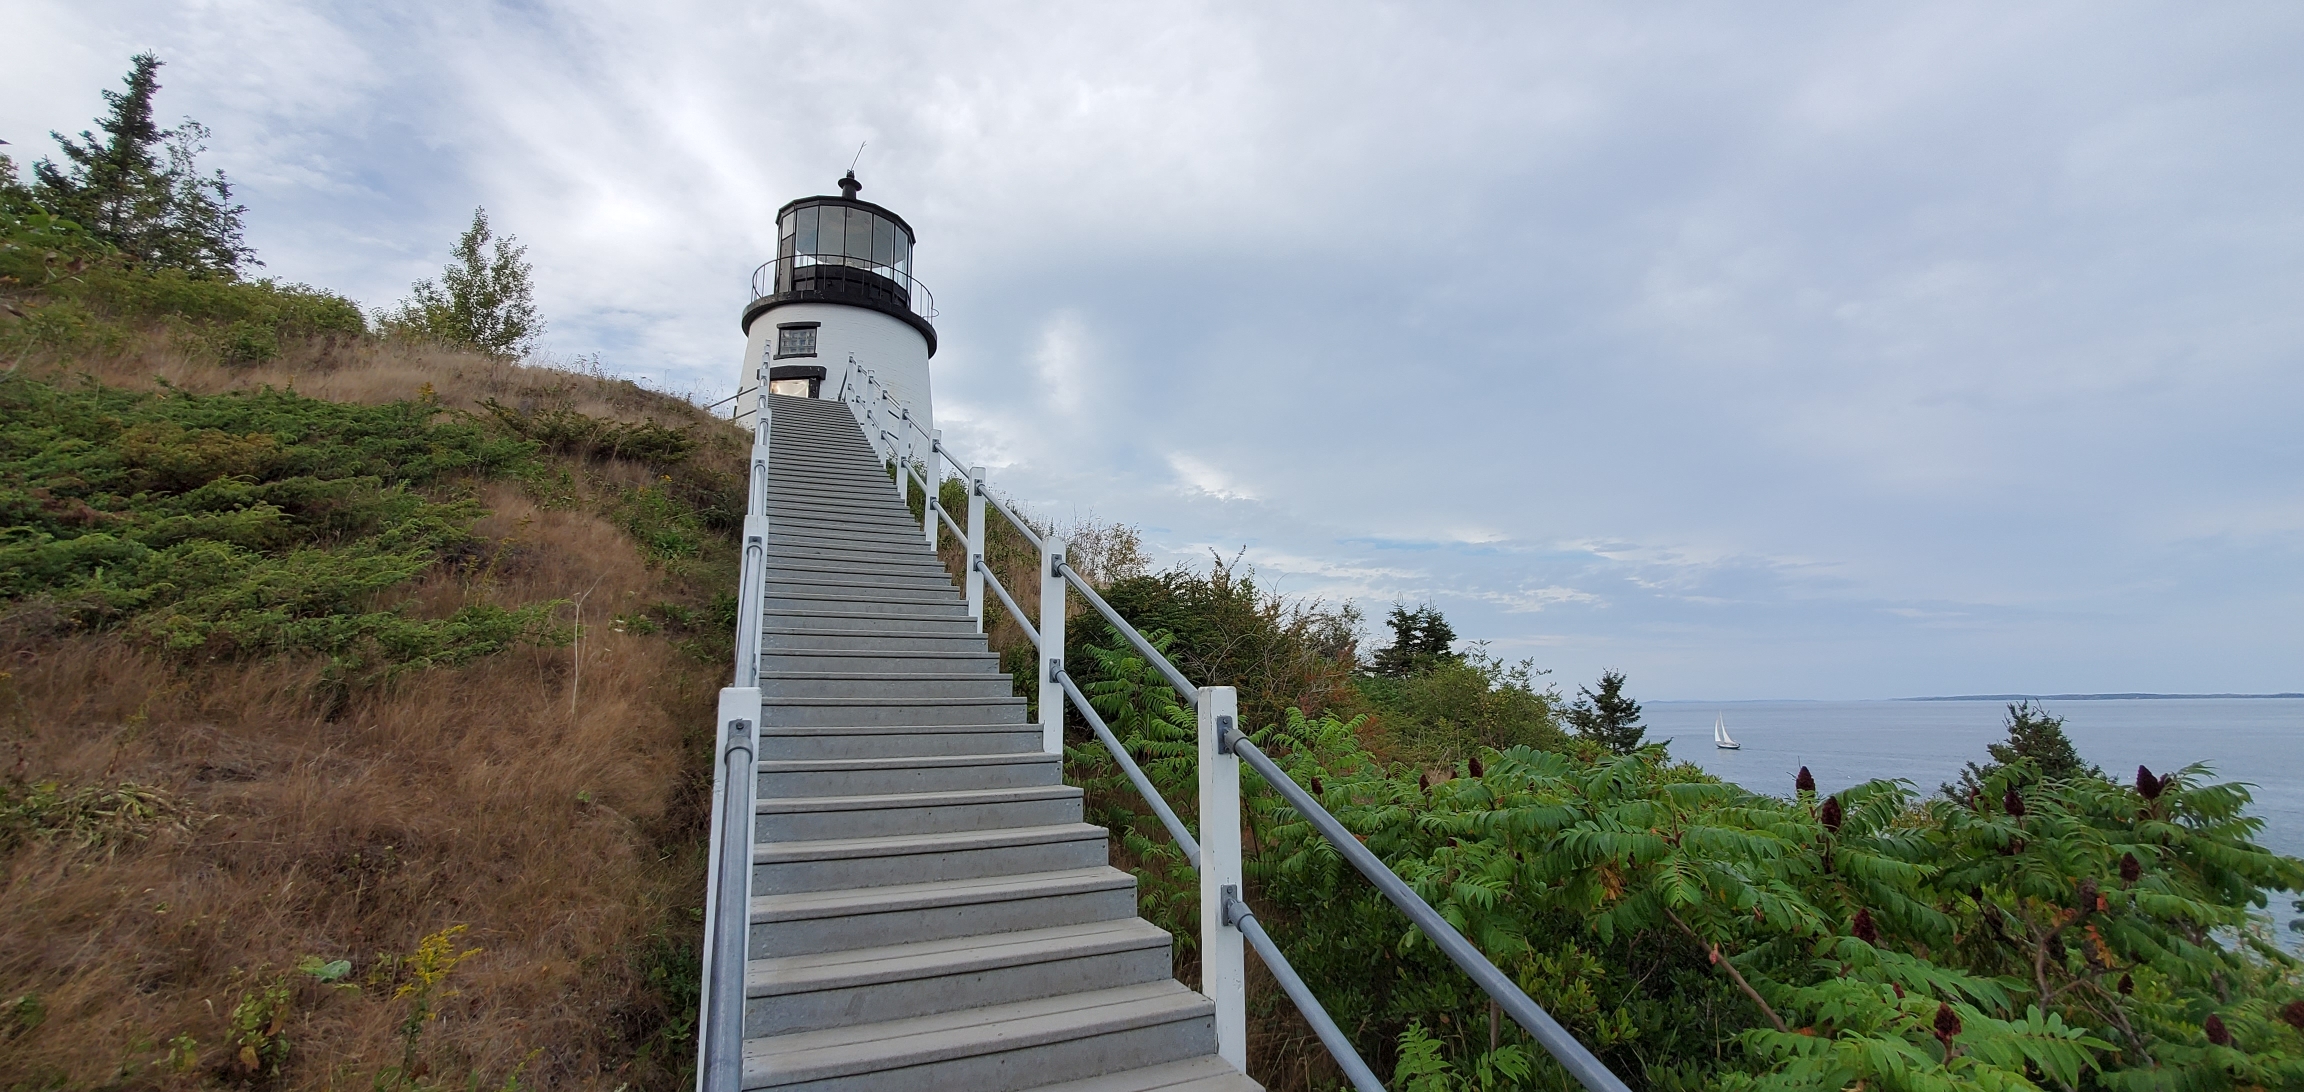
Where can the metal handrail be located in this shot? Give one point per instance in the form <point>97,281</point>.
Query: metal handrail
<point>1152,655</point>
<point>1009,601</point>
<point>1022,527</point>
<point>1238,915</point>
<point>1135,773</point>
<point>775,275</point>
<point>1572,1055</point>
<point>948,520</point>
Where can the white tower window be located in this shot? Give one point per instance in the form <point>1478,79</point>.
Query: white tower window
<point>796,339</point>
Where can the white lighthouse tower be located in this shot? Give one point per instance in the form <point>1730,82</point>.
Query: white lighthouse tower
<point>839,297</point>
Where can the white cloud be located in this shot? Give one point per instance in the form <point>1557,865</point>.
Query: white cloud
<point>1711,339</point>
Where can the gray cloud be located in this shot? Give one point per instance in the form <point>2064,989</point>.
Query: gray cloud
<point>1757,351</point>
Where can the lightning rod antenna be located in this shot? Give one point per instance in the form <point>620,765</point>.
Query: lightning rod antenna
<point>859,155</point>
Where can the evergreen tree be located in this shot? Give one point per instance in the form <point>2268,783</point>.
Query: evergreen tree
<point>139,187</point>
<point>1608,717</point>
<point>2035,734</point>
<point>484,298</point>
<point>1421,640</point>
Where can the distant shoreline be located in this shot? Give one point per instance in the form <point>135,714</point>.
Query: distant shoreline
<point>1974,697</point>
<point>2092,697</point>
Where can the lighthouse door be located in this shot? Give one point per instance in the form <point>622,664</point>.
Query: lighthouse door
<point>797,380</point>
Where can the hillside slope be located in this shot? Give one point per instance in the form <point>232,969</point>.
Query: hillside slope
<point>353,695</point>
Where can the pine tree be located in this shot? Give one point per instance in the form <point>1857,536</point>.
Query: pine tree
<point>2035,734</point>
<point>1608,717</point>
<point>1421,639</point>
<point>139,188</point>
<point>483,300</point>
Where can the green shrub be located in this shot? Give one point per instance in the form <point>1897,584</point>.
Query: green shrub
<point>246,523</point>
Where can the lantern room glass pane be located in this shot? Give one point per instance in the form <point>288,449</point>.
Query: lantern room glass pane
<point>903,252</point>
<point>860,234</point>
<point>806,236</point>
<point>883,242</point>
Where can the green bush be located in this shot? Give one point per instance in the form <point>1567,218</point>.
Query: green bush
<point>245,523</point>
<point>2056,933</point>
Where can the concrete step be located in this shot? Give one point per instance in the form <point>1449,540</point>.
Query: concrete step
<point>837,506</point>
<point>898,537</point>
<point>858,712</point>
<point>791,564</point>
<point>869,551</point>
<point>828,921</point>
<point>799,777</point>
<point>788,518</point>
<point>775,639</point>
<point>818,582</point>
<point>1203,1074</point>
<point>862,601</point>
<point>851,524</point>
<point>998,1048</point>
<point>829,467</point>
<point>881,622</point>
<point>841,741</point>
<point>922,977</point>
<point>835,863</point>
<point>814,818</point>
<point>825,659</point>
<point>885,684</point>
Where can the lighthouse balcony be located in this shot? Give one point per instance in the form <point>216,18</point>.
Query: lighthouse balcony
<point>842,278</point>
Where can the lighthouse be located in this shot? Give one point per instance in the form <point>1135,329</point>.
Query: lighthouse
<point>840,297</point>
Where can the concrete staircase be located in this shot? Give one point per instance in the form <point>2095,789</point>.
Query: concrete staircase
<point>929,913</point>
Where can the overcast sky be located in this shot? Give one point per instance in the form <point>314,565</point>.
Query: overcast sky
<point>1754,350</point>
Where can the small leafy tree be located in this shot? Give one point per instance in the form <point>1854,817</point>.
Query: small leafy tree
<point>1421,640</point>
<point>2034,735</point>
<point>139,187</point>
<point>1608,717</point>
<point>483,300</point>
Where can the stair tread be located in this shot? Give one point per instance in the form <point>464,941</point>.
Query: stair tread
<point>1207,1073</point>
<point>772,805</point>
<point>892,845</point>
<point>898,762</point>
<point>842,902</point>
<point>895,1044</point>
<point>951,955</point>
<point>811,731</point>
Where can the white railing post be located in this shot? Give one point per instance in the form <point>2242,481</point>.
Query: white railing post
<point>1223,970</point>
<point>1051,647</point>
<point>976,546</point>
<point>935,475</point>
<point>903,446</point>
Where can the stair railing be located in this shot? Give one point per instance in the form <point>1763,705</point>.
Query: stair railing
<point>728,879</point>
<point>1226,920</point>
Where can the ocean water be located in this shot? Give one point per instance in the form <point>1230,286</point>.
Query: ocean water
<point>2259,741</point>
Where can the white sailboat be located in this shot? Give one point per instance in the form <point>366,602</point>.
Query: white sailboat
<point>1720,737</point>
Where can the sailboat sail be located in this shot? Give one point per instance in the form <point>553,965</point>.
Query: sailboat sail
<point>1720,737</point>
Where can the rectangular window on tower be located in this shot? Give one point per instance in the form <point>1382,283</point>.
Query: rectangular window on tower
<point>796,339</point>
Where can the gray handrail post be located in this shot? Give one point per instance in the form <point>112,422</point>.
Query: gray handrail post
<point>976,546</point>
<point>1223,967</point>
<point>728,874</point>
<point>929,482</point>
<point>903,455</point>
<point>729,894</point>
<point>1051,646</point>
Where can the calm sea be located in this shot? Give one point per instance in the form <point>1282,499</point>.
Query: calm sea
<point>2256,740</point>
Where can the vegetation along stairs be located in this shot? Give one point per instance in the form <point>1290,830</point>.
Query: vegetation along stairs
<point>929,912</point>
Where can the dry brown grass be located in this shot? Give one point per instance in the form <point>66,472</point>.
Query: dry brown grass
<point>370,371</point>
<point>562,828</point>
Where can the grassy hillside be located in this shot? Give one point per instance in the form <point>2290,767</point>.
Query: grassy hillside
<point>352,695</point>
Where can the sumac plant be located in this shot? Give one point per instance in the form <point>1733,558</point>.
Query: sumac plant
<point>1699,935</point>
